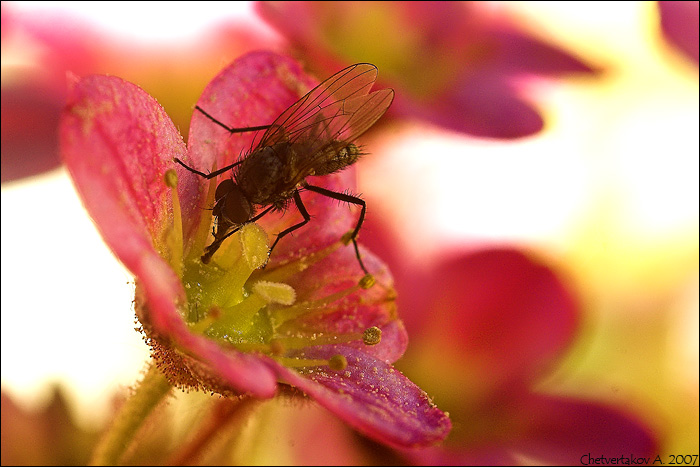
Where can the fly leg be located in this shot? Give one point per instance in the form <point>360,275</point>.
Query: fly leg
<point>208,176</point>
<point>211,249</point>
<point>303,211</point>
<point>348,199</point>
<point>230,130</point>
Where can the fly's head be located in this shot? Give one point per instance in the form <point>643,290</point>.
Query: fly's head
<point>232,207</point>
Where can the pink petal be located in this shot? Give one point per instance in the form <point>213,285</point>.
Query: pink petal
<point>501,311</point>
<point>336,273</point>
<point>373,398</point>
<point>562,430</point>
<point>679,23</point>
<point>117,143</point>
<point>437,56</point>
<point>547,430</point>
<point>481,104</point>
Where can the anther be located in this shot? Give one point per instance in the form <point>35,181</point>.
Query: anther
<point>367,281</point>
<point>347,237</point>
<point>276,347</point>
<point>170,178</point>
<point>338,362</point>
<point>372,336</point>
<point>275,292</point>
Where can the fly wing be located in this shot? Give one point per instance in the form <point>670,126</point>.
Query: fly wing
<point>340,108</point>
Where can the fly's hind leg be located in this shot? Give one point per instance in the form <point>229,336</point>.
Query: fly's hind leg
<point>352,200</point>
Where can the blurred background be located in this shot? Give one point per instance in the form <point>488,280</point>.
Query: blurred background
<point>554,137</point>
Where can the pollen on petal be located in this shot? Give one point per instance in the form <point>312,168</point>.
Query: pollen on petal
<point>275,292</point>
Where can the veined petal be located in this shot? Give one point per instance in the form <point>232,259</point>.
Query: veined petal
<point>372,397</point>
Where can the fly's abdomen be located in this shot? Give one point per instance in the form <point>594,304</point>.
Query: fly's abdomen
<point>336,156</point>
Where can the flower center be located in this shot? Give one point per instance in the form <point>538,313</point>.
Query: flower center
<point>256,312</point>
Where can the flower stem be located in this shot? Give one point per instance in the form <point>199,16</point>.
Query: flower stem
<point>146,396</point>
<point>225,414</point>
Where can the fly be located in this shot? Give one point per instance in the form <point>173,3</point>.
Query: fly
<point>314,136</point>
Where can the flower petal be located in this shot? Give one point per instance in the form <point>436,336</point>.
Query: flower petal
<point>334,274</point>
<point>679,23</point>
<point>117,143</point>
<point>372,397</point>
<point>509,315</point>
<point>430,52</point>
<point>563,430</point>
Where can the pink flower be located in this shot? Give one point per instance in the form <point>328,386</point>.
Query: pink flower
<point>40,48</point>
<point>500,324</point>
<point>458,65</point>
<point>229,327</point>
<point>679,24</point>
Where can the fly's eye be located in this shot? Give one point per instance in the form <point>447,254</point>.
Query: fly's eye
<point>236,207</point>
<point>223,188</point>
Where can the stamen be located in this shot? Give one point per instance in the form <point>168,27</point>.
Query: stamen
<point>367,281</point>
<point>174,237</point>
<point>315,307</point>
<point>372,336</point>
<point>282,272</point>
<point>338,362</point>
<point>254,245</point>
<point>275,292</point>
<point>300,362</point>
<point>202,236</point>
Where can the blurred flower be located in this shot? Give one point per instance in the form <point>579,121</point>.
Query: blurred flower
<point>454,64</point>
<point>679,23</point>
<point>227,327</point>
<point>43,437</point>
<point>40,49</point>
<point>500,324</point>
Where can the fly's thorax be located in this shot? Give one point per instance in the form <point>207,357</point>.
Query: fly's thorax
<point>335,156</point>
<point>263,174</point>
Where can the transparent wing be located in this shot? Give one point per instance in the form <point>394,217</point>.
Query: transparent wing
<point>340,108</point>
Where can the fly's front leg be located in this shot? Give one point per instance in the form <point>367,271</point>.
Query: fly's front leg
<point>230,130</point>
